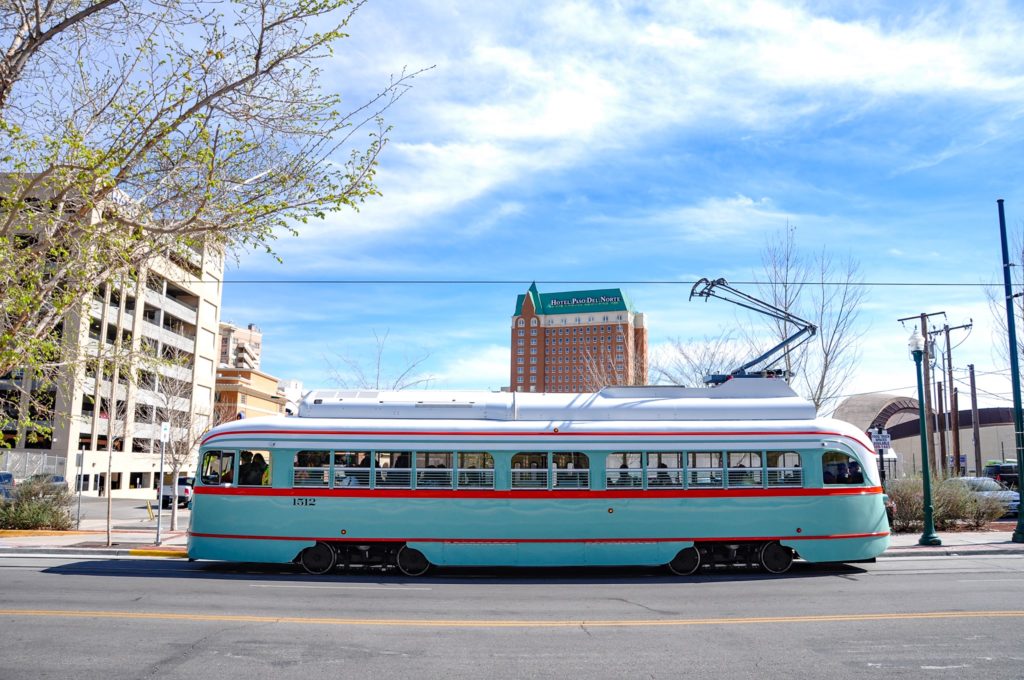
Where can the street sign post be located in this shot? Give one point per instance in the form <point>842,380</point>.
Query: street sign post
<point>165,436</point>
<point>883,442</point>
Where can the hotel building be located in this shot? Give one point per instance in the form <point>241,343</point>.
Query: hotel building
<point>578,341</point>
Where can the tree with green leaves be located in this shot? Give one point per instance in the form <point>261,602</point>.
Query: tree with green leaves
<point>134,128</point>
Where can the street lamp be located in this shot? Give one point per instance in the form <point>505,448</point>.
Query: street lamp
<point>928,537</point>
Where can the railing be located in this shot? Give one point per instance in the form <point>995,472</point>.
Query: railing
<point>665,477</point>
<point>352,476</point>
<point>530,479</point>
<point>311,477</point>
<point>624,477</point>
<point>704,478</point>
<point>434,478</point>
<point>400,478</point>
<point>474,478</point>
<point>739,477</point>
<point>793,476</point>
<point>579,479</point>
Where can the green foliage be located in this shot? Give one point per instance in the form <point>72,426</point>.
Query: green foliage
<point>175,126</point>
<point>37,504</point>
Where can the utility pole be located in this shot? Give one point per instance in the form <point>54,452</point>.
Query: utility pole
<point>949,419</point>
<point>954,407</point>
<point>941,425</point>
<point>975,425</point>
<point>929,430</point>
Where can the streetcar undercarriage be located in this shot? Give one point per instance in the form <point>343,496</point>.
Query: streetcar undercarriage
<point>325,557</point>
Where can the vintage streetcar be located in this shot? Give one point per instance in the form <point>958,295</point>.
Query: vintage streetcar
<point>739,473</point>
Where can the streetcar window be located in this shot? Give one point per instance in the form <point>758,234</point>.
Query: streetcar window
<point>476,470</point>
<point>393,469</point>
<point>839,468</point>
<point>704,469</point>
<point>784,468</point>
<point>623,468</point>
<point>434,469</point>
<point>744,468</point>
<point>217,467</point>
<point>254,468</point>
<point>664,468</point>
<point>530,471</point>
<point>351,468</point>
<point>311,468</point>
<point>572,470</point>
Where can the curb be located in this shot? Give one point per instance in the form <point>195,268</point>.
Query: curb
<point>951,551</point>
<point>96,552</point>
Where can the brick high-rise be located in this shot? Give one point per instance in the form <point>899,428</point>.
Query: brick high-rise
<point>577,341</point>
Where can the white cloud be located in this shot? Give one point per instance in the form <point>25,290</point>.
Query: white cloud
<point>486,365</point>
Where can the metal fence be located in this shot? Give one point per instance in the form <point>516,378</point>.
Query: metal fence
<point>24,464</point>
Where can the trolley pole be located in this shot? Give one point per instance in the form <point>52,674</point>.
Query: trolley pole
<point>1011,331</point>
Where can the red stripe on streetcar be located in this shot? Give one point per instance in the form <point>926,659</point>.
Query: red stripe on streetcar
<point>703,539</point>
<point>538,494</point>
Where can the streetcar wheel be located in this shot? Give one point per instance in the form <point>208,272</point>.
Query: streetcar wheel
<point>318,559</point>
<point>685,562</point>
<point>411,562</point>
<point>776,558</point>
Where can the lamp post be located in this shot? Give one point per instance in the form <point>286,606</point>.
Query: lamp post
<point>928,537</point>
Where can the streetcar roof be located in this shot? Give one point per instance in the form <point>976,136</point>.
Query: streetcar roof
<point>747,399</point>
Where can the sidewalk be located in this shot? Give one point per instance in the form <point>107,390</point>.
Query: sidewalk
<point>137,539</point>
<point>128,539</point>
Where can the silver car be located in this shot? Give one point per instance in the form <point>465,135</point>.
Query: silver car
<point>986,486</point>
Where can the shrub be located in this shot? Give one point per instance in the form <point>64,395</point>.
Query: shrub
<point>908,498</point>
<point>37,504</point>
<point>953,505</point>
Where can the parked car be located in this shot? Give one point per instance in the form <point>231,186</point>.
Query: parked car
<point>1004,473</point>
<point>6,484</point>
<point>184,493</point>
<point>986,486</point>
<point>55,480</point>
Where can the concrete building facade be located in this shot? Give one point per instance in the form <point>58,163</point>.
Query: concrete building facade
<point>240,347</point>
<point>576,341</point>
<point>108,413</point>
<point>246,393</point>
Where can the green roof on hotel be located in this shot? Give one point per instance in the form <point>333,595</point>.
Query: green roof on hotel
<point>576,301</point>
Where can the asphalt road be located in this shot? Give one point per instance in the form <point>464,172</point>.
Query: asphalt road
<point>952,617</point>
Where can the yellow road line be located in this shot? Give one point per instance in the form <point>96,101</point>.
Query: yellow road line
<point>511,623</point>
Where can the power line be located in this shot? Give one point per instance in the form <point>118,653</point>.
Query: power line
<point>506,282</point>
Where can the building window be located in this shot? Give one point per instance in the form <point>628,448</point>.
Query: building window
<point>521,323</point>
<point>533,350</point>
<point>519,370</point>
<point>520,342</point>
<point>519,360</point>
<point>519,380</point>
<point>533,341</point>
<point>521,332</point>
<point>534,323</point>
<point>533,332</point>
<point>533,360</point>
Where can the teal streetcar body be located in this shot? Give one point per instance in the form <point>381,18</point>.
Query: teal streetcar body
<point>738,473</point>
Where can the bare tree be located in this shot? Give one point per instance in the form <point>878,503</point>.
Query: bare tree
<point>374,375</point>
<point>188,422</point>
<point>689,362</point>
<point>827,291</point>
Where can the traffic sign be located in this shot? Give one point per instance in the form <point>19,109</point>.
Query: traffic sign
<point>165,432</point>
<point>882,440</point>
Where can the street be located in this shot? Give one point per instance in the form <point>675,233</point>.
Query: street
<point>140,618</point>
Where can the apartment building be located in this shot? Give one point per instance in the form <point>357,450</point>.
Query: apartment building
<point>576,341</point>
<point>107,413</point>
<point>247,393</point>
<point>240,347</point>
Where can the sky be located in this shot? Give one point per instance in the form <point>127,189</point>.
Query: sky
<point>644,145</point>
